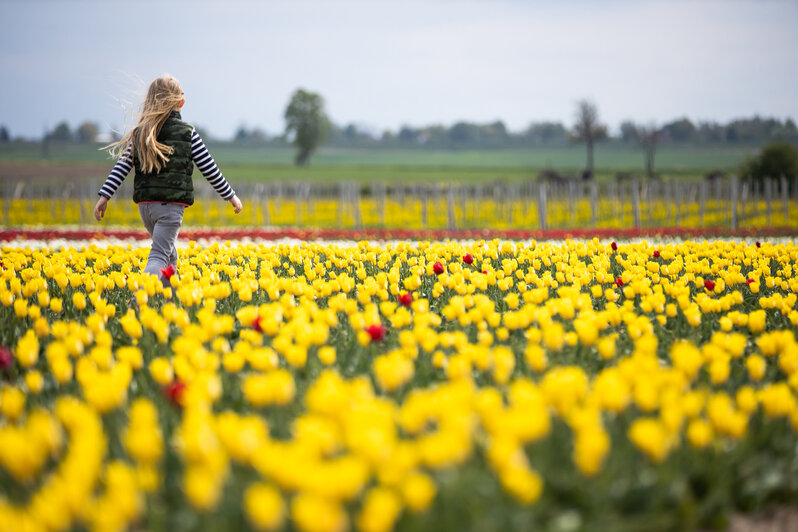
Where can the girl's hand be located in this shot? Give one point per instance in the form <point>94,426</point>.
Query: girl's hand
<point>236,203</point>
<point>99,209</point>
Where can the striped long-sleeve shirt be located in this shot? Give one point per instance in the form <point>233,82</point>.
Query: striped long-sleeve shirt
<point>199,154</point>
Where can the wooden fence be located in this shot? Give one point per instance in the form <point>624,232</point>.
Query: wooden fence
<point>729,203</point>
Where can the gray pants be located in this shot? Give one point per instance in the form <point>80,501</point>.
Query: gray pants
<point>162,221</point>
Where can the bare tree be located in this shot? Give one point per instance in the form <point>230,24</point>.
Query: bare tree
<point>648,136</point>
<point>587,129</point>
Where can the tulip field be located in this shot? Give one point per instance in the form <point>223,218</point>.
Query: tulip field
<point>482,385</point>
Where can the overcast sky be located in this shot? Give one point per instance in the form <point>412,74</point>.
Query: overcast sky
<point>383,64</point>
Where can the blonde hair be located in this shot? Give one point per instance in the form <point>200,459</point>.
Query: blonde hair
<point>163,97</point>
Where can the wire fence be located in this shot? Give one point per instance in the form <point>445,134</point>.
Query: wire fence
<point>727,203</point>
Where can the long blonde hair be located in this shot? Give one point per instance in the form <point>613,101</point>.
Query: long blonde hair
<point>163,97</point>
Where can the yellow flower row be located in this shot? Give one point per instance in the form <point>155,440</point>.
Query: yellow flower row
<point>343,376</point>
<point>472,213</point>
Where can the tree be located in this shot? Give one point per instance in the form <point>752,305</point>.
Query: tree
<point>493,134</point>
<point>587,129</point>
<point>87,132</point>
<point>463,132</point>
<point>5,136</point>
<point>628,131</point>
<point>241,135</point>
<point>681,130</point>
<point>60,133</point>
<point>249,136</point>
<point>710,132</point>
<point>408,134</point>
<point>307,122</point>
<point>387,137</point>
<point>547,133</point>
<point>648,136</point>
<point>777,159</point>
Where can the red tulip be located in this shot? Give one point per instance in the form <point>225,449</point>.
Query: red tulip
<point>749,281</point>
<point>174,392</point>
<point>758,244</point>
<point>406,299</point>
<point>468,259</point>
<point>256,324</point>
<point>6,358</point>
<point>656,253</point>
<point>168,272</point>
<point>438,268</point>
<point>614,246</point>
<point>377,332</point>
<point>619,281</point>
<point>709,284</point>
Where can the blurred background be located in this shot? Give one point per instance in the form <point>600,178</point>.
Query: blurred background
<point>438,114</point>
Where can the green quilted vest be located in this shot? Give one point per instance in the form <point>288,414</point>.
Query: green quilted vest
<point>173,182</point>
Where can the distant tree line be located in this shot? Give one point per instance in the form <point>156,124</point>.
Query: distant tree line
<point>308,127</point>
<point>84,133</point>
<point>756,130</point>
<point>495,134</point>
<point>746,130</point>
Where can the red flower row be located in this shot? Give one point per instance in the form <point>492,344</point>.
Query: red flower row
<point>400,234</point>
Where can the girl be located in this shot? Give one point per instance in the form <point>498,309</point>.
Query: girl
<point>163,149</point>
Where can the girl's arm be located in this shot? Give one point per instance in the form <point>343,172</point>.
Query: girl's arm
<point>202,158</point>
<point>118,173</point>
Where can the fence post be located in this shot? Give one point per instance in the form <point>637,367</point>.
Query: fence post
<point>267,220</point>
<point>511,196</point>
<point>795,191</point>
<point>423,191</point>
<point>768,198</point>
<point>343,201</point>
<point>542,204</point>
<point>734,191</point>
<point>356,205</point>
<point>297,193</point>
<point>452,222</point>
<point>702,200</point>
<point>594,202</point>
<point>477,200</point>
<point>572,202</point>
<point>383,207</point>
<point>785,200</point>
<point>757,193</point>
<point>83,213</point>
<point>462,192</point>
<point>66,194</point>
<point>311,192</point>
<point>257,194</point>
<point>278,204</point>
<point>636,202</point>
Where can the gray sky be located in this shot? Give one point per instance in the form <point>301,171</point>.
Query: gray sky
<point>383,64</point>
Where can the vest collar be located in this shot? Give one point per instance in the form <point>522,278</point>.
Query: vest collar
<point>175,114</point>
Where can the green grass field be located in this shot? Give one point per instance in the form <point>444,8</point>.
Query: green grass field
<point>335,164</point>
